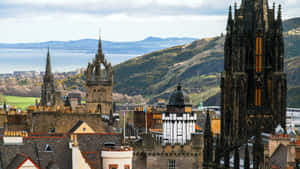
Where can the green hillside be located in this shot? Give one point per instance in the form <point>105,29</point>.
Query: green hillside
<point>197,66</point>
<point>20,102</point>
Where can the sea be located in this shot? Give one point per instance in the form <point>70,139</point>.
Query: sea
<point>61,60</point>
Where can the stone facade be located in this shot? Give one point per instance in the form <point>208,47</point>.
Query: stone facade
<point>42,122</point>
<point>48,88</point>
<point>151,154</point>
<point>253,94</point>
<point>99,84</point>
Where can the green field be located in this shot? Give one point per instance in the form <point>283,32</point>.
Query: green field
<point>20,102</point>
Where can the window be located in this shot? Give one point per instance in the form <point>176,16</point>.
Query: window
<point>83,129</point>
<point>172,164</point>
<point>48,148</point>
<point>258,66</point>
<point>113,166</point>
<point>126,166</point>
<point>51,130</point>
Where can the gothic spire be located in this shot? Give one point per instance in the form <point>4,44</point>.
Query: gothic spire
<point>236,159</point>
<point>207,124</point>
<point>279,16</point>
<point>218,151</point>
<point>48,65</point>
<point>258,151</point>
<point>247,159</point>
<point>100,44</point>
<point>208,139</point>
<point>229,21</point>
<point>5,106</point>
<point>227,154</point>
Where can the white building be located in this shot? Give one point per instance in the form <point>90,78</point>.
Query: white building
<point>117,157</point>
<point>178,121</point>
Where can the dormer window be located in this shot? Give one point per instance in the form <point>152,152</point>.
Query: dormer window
<point>48,148</point>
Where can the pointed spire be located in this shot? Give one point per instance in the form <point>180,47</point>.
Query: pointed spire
<point>279,17</point>
<point>48,64</point>
<point>208,141</point>
<point>5,106</point>
<point>227,155</point>
<point>258,151</point>
<point>229,20</point>
<point>218,151</point>
<point>207,123</point>
<point>235,11</point>
<point>247,159</point>
<point>100,43</point>
<point>236,159</point>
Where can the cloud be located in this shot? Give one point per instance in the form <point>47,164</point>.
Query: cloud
<point>42,20</point>
<point>109,7</point>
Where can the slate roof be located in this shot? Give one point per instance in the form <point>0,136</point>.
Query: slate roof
<point>76,126</point>
<point>60,156</point>
<point>279,157</point>
<point>52,165</point>
<point>18,160</point>
<point>34,147</point>
<point>179,97</point>
<point>91,145</point>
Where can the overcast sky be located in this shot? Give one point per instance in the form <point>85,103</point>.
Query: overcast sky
<point>119,20</point>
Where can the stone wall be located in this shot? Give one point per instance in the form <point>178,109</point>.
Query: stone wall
<point>63,122</point>
<point>99,94</point>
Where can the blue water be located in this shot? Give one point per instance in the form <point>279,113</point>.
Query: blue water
<point>62,60</point>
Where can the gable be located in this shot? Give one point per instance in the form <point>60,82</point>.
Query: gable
<point>28,164</point>
<point>84,128</point>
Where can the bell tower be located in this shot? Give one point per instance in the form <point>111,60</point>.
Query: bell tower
<point>99,84</point>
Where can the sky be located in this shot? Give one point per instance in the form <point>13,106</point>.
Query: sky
<point>119,20</point>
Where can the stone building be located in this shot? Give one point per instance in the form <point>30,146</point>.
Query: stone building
<point>57,151</point>
<point>99,84</point>
<point>253,85</point>
<point>181,146</point>
<point>54,114</point>
<point>48,88</point>
<point>179,120</point>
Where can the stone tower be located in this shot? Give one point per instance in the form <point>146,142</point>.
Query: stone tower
<point>253,85</point>
<point>48,88</point>
<point>208,144</point>
<point>99,84</point>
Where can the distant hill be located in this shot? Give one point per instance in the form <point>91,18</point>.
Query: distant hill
<point>90,45</point>
<point>197,66</point>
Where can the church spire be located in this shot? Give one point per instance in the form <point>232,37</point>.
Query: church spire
<point>218,151</point>
<point>208,139</point>
<point>100,44</point>
<point>227,154</point>
<point>48,65</point>
<point>279,17</point>
<point>247,159</point>
<point>236,159</point>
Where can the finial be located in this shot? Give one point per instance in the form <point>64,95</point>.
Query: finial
<point>279,11</point>
<point>235,5</point>
<point>100,43</point>
<point>179,86</point>
<point>4,106</point>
